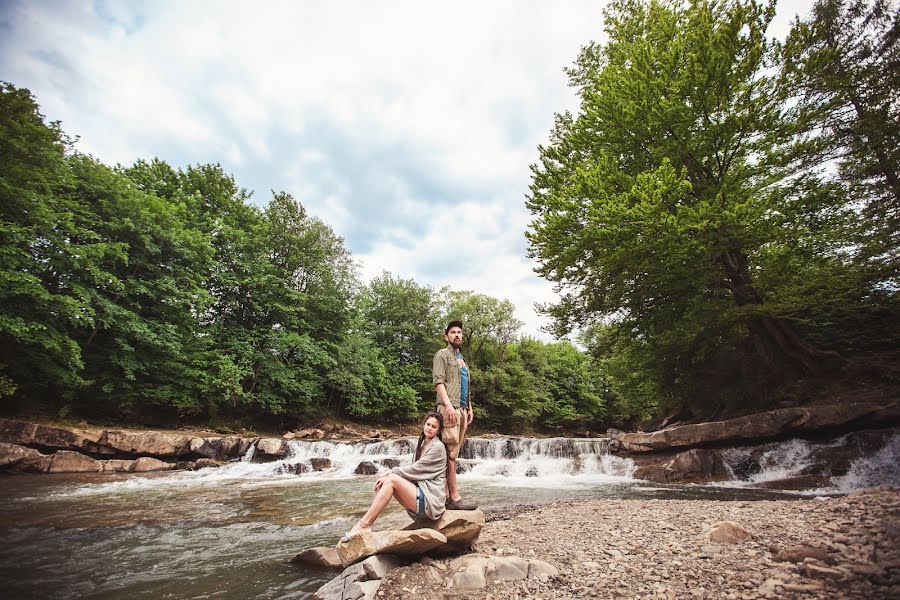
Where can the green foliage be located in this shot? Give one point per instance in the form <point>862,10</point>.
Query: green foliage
<point>679,209</point>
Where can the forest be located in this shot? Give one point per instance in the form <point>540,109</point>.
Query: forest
<point>720,217</point>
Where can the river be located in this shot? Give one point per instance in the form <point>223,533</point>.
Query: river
<point>230,532</point>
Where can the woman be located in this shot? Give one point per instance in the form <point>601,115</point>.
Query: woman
<point>418,487</point>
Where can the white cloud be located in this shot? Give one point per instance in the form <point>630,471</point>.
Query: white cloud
<point>376,115</point>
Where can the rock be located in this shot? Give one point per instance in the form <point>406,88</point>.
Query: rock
<point>209,448</point>
<point>114,465</point>
<point>374,434</point>
<point>390,463</point>
<point>506,568</point>
<point>66,461</point>
<point>206,463</point>
<point>146,464</point>
<point>360,580</point>
<point>726,532</point>
<point>474,571</point>
<point>361,590</point>
<point>320,464</point>
<point>270,448</point>
<point>333,590</point>
<point>820,572</point>
<point>15,432</point>
<point>469,571</point>
<point>538,569</point>
<point>763,425</point>
<point>376,567</point>
<point>804,588</point>
<point>235,446</point>
<point>10,454</point>
<point>531,472</point>
<point>319,557</point>
<point>460,527</point>
<point>65,439</point>
<point>796,554</point>
<point>404,543</point>
<point>691,466</point>
<point>366,468</point>
<point>289,435</point>
<point>39,463</point>
<point>295,468</point>
<point>153,443</point>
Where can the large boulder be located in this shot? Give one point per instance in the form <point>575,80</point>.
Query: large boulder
<point>11,454</point>
<point>366,467</point>
<point>320,463</point>
<point>115,465</point>
<point>460,527</point>
<point>785,421</point>
<point>210,447</point>
<point>58,438</point>
<point>403,543</point>
<point>326,557</point>
<point>475,571</point>
<point>360,580</point>
<point>146,464</point>
<point>690,466</point>
<point>154,443</point>
<point>67,461</point>
<point>235,446</point>
<point>271,448</point>
<point>20,433</point>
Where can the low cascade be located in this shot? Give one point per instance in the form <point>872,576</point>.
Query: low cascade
<point>481,458</point>
<point>842,465</point>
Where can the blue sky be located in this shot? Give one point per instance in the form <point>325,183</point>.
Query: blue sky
<point>408,127</point>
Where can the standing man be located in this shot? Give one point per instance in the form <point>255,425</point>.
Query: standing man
<point>450,375</point>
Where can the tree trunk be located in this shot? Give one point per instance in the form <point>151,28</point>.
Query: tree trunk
<point>772,339</point>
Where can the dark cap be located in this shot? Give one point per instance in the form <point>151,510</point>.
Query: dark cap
<point>452,324</point>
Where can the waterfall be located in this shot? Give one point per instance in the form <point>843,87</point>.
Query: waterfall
<point>842,465</point>
<point>510,459</point>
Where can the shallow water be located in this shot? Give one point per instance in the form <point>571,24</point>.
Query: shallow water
<point>229,532</point>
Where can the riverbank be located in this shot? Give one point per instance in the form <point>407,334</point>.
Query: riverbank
<point>625,548</point>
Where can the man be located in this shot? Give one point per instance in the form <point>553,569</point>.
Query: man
<point>450,375</point>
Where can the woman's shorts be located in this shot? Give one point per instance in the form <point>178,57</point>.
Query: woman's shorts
<point>420,502</point>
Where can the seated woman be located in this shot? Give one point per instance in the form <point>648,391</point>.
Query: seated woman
<point>419,487</point>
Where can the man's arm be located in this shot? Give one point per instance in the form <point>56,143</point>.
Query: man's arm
<point>444,399</point>
<point>438,377</point>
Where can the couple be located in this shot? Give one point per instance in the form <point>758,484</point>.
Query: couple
<point>428,486</point>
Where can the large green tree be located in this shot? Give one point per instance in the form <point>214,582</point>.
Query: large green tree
<point>656,204</point>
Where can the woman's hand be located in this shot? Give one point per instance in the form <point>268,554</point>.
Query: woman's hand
<point>379,482</point>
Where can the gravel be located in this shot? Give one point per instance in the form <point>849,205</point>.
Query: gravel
<point>846,547</point>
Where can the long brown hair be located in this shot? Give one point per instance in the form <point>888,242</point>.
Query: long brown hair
<point>440,431</point>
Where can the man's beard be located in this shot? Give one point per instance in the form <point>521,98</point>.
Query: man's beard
<point>456,343</point>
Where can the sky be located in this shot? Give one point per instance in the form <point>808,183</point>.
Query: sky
<point>408,127</point>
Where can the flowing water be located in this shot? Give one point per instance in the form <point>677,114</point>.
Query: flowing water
<point>230,532</point>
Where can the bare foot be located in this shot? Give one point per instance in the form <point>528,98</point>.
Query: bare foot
<point>360,527</point>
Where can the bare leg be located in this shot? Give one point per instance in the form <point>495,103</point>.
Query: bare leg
<point>393,486</point>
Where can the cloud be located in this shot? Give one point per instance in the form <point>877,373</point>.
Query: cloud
<point>406,126</point>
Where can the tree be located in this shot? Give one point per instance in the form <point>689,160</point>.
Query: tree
<point>842,67</point>
<point>652,205</point>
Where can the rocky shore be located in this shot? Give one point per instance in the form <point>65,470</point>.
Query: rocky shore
<point>816,547</point>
